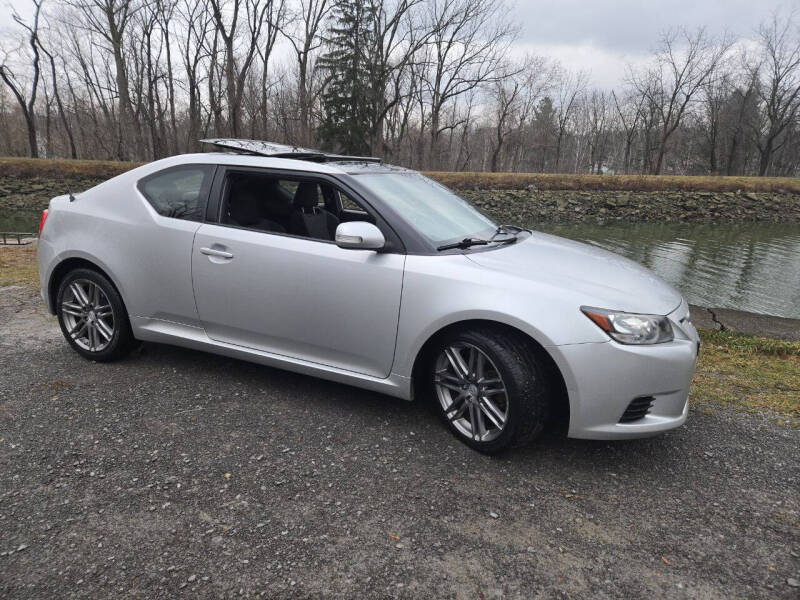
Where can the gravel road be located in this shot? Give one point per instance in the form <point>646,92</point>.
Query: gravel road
<point>180,474</point>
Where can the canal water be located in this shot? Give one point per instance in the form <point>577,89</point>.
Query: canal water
<point>23,221</point>
<point>747,266</point>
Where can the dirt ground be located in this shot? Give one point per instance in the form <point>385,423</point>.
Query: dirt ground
<point>176,473</point>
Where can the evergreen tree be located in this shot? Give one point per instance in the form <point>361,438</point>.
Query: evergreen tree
<point>545,130</point>
<point>346,124</point>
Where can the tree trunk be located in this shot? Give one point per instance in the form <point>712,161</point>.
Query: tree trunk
<point>303,101</point>
<point>765,158</point>
<point>32,141</point>
<point>62,116</point>
<point>230,85</point>
<point>173,137</point>
<point>125,110</point>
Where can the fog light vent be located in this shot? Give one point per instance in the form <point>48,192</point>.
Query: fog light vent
<point>637,409</point>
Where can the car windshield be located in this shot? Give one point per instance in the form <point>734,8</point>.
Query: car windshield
<point>435,211</point>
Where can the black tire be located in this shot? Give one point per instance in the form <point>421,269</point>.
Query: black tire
<point>527,390</point>
<point>121,341</point>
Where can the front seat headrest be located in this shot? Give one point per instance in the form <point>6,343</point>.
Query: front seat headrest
<point>306,196</point>
<point>244,208</point>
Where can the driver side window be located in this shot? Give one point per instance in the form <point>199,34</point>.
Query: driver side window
<point>286,205</point>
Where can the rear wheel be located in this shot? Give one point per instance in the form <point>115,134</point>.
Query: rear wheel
<point>92,316</point>
<point>490,388</point>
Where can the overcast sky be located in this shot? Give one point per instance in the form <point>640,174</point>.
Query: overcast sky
<point>602,36</point>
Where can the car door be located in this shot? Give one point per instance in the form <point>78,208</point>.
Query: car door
<point>298,297</point>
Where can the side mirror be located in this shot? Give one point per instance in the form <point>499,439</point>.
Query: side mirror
<point>359,235</point>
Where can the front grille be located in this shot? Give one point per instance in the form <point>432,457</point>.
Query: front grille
<point>637,409</point>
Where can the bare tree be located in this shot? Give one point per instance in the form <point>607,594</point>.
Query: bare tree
<point>715,93</point>
<point>274,18</point>
<point>165,9</point>
<point>506,92</point>
<point>684,62</point>
<point>570,86</point>
<point>469,39</point>
<point>515,92</point>
<point>628,113</point>
<point>303,33</point>
<point>110,19</point>
<point>228,19</point>
<point>778,76</point>
<point>598,117</point>
<point>196,22</point>
<point>27,104</point>
<point>397,38</point>
<point>73,152</point>
<point>742,106</point>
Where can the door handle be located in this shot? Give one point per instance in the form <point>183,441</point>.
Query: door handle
<point>215,252</point>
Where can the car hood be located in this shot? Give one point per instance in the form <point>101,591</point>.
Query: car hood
<point>595,277</point>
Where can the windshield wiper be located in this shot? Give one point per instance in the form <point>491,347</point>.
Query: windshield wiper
<point>465,243</point>
<point>505,229</point>
<point>471,241</point>
<point>508,230</point>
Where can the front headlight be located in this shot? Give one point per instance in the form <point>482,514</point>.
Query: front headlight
<point>631,328</point>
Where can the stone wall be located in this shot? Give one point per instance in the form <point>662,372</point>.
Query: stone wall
<point>664,206</point>
<point>18,193</point>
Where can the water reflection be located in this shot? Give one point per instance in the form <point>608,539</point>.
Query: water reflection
<point>749,266</point>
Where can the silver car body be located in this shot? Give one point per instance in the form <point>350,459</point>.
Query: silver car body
<point>362,317</point>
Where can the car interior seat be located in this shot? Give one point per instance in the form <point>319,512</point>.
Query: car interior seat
<point>308,218</point>
<point>243,210</point>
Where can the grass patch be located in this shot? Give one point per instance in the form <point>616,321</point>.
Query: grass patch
<point>66,169</point>
<point>62,168</point>
<point>748,373</point>
<point>745,344</point>
<point>18,266</point>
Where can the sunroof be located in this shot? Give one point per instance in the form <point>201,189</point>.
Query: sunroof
<point>271,149</point>
<point>261,148</point>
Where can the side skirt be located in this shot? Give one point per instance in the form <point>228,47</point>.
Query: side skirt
<point>195,338</point>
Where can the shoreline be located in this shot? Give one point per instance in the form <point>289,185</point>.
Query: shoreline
<point>745,323</point>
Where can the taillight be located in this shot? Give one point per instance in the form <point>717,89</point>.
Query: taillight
<point>42,220</point>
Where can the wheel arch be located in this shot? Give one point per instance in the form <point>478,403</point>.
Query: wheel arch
<point>70,264</point>
<point>560,397</point>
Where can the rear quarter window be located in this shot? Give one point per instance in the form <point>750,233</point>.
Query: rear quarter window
<point>179,192</point>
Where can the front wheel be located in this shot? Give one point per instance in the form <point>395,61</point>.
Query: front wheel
<point>490,388</point>
<point>92,316</point>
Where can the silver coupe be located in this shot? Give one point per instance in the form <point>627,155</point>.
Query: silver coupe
<point>372,275</point>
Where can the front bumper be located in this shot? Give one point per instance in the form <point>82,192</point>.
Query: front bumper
<point>605,377</point>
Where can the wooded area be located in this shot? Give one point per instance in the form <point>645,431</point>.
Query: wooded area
<point>430,84</point>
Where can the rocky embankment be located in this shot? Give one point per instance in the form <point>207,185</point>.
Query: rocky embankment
<point>23,193</point>
<point>604,205</point>
<point>524,205</point>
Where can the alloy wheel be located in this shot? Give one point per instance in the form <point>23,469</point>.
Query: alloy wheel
<point>88,316</point>
<point>471,392</point>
